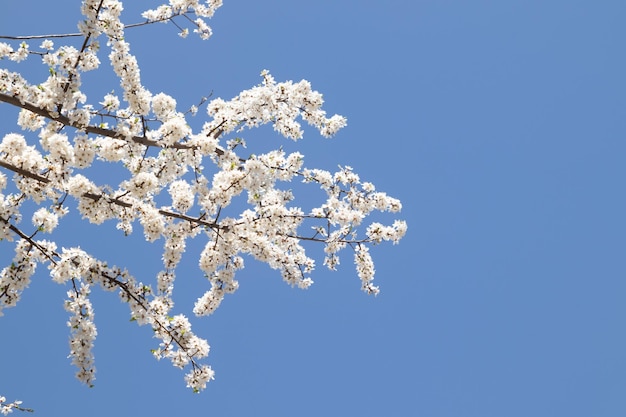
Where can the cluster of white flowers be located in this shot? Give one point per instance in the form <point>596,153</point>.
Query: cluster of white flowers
<point>198,378</point>
<point>378,232</point>
<point>111,102</point>
<point>278,103</point>
<point>184,190</point>
<point>83,332</point>
<point>45,220</point>
<point>182,196</point>
<point>15,278</point>
<point>6,408</point>
<point>127,69</point>
<point>18,55</point>
<point>28,120</point>
<point>166,12</point>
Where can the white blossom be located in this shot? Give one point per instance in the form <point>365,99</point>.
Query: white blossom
<point>142,184</point>
<point>182,195</point>
<point>198,378</point>
<point>45,220</point>
<point>84,151</point>
<point>59,147</point>
<point>163,106</point>
<point>152,222</point>
<point>209,302</point>
<point>83,333</point>
<point>5,49</point>
<point>365,269</point>
<point>29,120</point>
<point>6,408</point>
<point>111,102</point>
<point>15,278</point>
<point>47,45</point>
<point>20,54</point>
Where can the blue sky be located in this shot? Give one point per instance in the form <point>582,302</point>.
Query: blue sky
<point>499,124</point>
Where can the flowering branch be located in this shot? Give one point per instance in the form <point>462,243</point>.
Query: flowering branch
<point>96,130</point>
<point>177,184</point>
<point>75,265</point>
<point>76,35</point>
<point>6,408</point>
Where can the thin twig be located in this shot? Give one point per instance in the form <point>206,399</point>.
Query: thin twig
<point>73,35</point>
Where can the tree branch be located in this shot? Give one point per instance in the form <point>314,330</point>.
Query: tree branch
<point>113,279</point>
<point>64,120</point>
<point>75,35</point>
<point>96,197</point>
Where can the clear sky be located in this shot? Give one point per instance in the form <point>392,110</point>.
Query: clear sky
<point>499,124</point>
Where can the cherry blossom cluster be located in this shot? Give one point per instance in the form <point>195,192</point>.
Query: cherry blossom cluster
<point>6,408</point>
<point>166,12</point>
<point>83,332</point>
<point>15,278</point>
<point>177,184</point>
<point>278,103</point>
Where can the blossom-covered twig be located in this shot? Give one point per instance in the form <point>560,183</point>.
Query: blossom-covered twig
<point>6,408</point>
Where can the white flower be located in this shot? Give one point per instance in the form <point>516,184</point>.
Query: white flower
<point>182,196</point>
<point>84,151</point>
<point>142,184</point>
<point>45,220</point>
<point>163,106</point>
<point>47,45</point>
<point>365,269</point>
<point>209,302</point>
<point>29,120</point>
<point>152,222</point>
<point>172,130</point>
<point>6,408</point>
<point>83,333</point>
<point>78,185</point>
<point>5,49</point>
<point>13,144</point>
<point>198,378</point>
<point>59,147</point>
<point>21,54</point>
<point>111,102</point>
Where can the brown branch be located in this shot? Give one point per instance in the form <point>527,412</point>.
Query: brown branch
<point>78,58</point>
<point>195,220</point>
<point>24,173</point>
<point>67,122</point>
<point>117,201</point>
<point>95,129</point>
<point>30,240</point>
